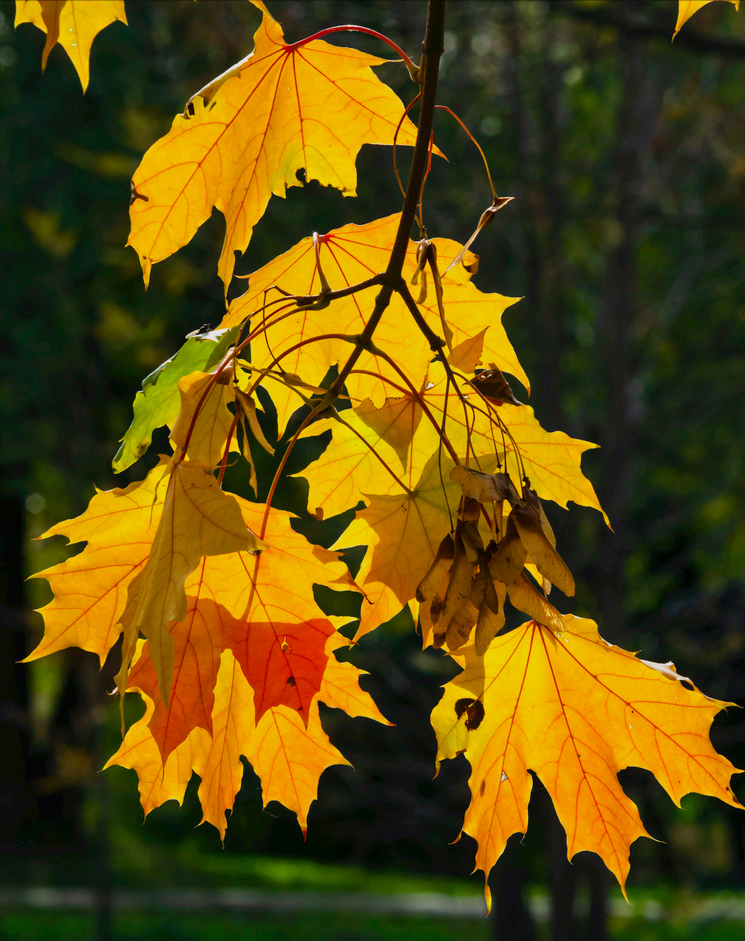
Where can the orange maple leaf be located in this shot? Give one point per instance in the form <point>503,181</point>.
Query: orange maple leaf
<point>198,519</point>
<point>576,711</point>
<point>287,755</point>
<point>74,24</point>
<point>250,605</point>
<point>247,112</point>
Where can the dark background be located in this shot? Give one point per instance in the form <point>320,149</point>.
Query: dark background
<point>626,156</point>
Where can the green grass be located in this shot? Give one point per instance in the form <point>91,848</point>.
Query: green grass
<point>48,926</point>
<point>129,926</point>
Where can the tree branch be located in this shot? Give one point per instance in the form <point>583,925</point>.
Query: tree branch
<point>432,49</point>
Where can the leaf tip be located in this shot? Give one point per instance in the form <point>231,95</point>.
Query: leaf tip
<point>146,268</point>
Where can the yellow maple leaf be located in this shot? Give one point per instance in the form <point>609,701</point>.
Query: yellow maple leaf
<point>576,711</point>
<point>402,436</point>
<point>686,9</point>
<point>204,421</point>
<point>90,589</point>
<point>371,452</point>
<point>245,136</point>
<point>402,532</point>
<point>351,255</point>
<point>551,459</point>
<point>74,24</point>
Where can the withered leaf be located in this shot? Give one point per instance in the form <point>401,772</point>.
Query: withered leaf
<point>492,384</point>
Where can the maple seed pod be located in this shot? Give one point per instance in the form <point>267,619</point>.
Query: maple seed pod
<point>459,586</point>
<point>472,542</point>
<point>490,619</point>
<point>469,509</point>
<point>538,542</point>
<point>438,569</point>
<point>460,626</point>
<point>485,488</point>
<point>458,592</point>
<point>492,384</point>
<point>488,625</point>
<point>509,559</point>
<point>527,599</point>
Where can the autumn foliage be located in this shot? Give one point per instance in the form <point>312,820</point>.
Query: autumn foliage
<point>388,344</point>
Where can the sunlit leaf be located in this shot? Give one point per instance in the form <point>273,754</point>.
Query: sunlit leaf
<point>686,9</point>
<point>74,24</point>
<point>576,711</point>
<point>349,256</point>
<point>246,135</point>
<point>159,401</point>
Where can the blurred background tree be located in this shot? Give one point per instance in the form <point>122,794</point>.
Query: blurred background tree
<point>626,156</point>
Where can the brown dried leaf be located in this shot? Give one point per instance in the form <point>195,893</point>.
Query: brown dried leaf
<point>492,384</point>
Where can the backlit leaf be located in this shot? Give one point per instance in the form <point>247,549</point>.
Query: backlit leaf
<point>246,135</point>
<point>351,255</point>
<point>90,589</point>
<point>159,401</point>
<point>686,9</point>
<point>576,711</point>
<point>403,533</point>
<point>288,756</point>
<point>74,24</point>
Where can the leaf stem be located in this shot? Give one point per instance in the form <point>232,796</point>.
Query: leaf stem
<point>350,28</point>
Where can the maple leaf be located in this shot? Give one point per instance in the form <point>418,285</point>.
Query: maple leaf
<point>242,139</point>
<point>370,446</point>
<point>247,604</point>
<point>576,711</point>
<point>371,452</point>
<point>74,24</point>
<point>686,9</point>
<point>198,519</point>
<point>287,755</point>
<point>550,459</point>
<point>402,532</point>
<point>90,589</point>
<point>159,401</point>
<point>351,255</point>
